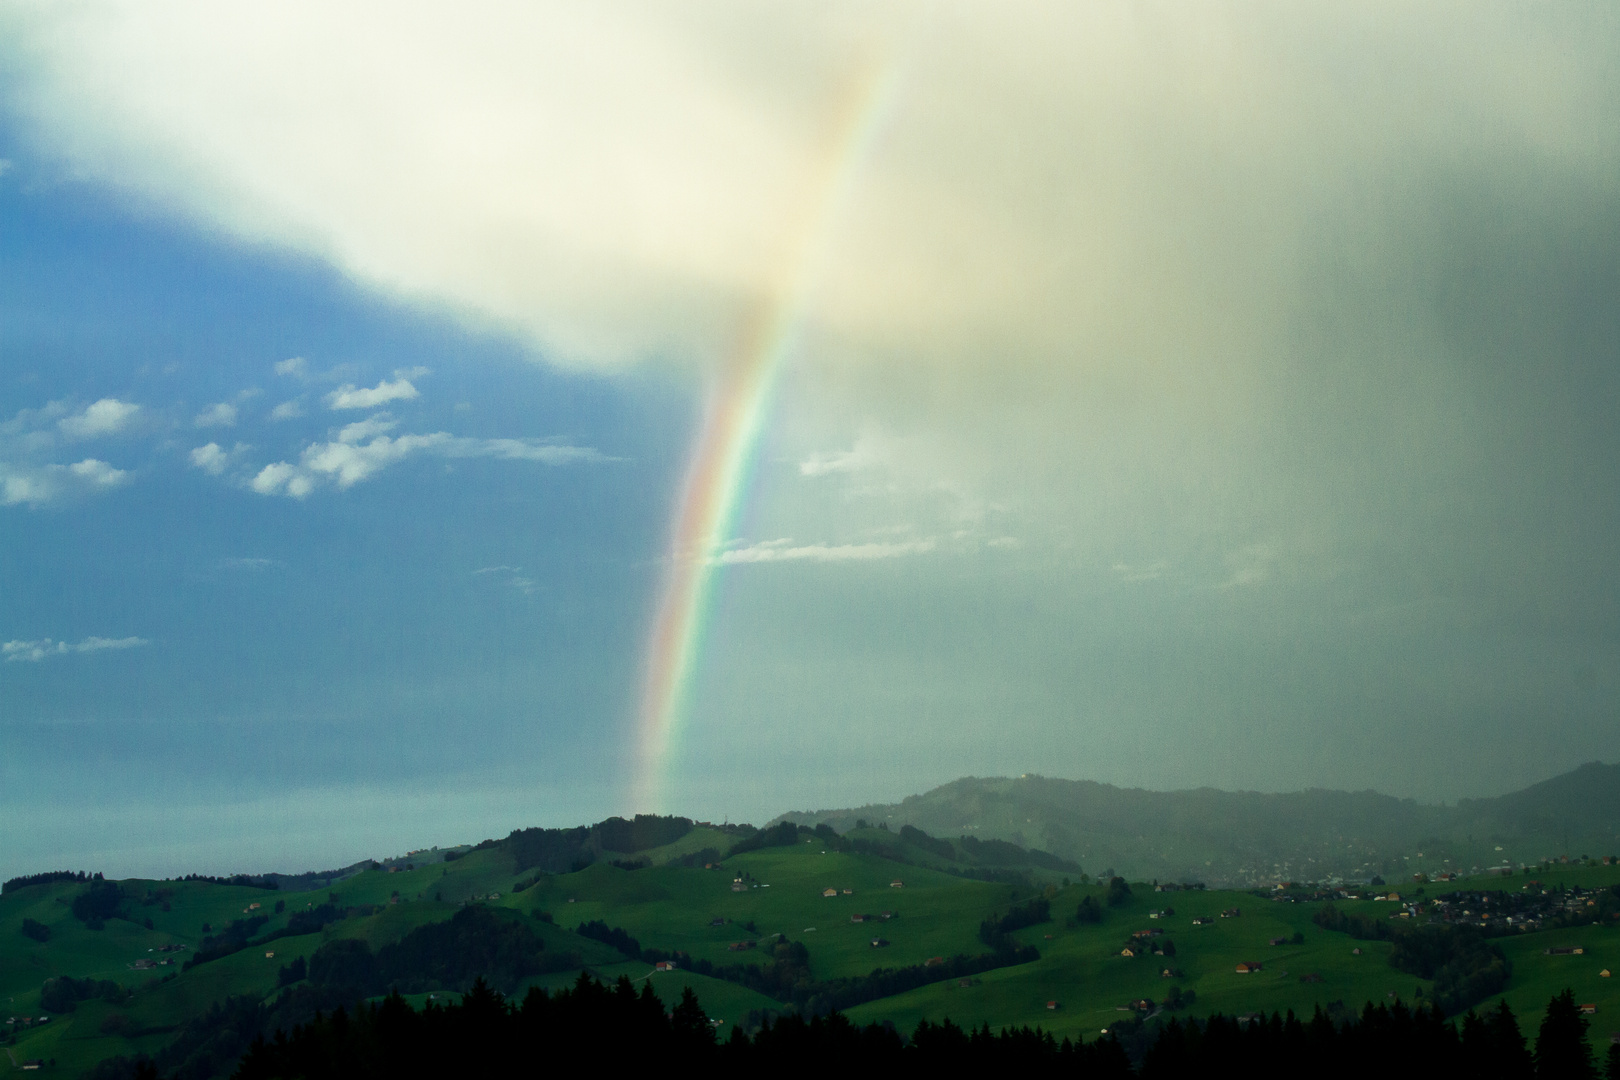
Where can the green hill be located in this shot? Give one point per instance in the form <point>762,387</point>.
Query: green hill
<point>1248,838</point>
<point>886,925</point>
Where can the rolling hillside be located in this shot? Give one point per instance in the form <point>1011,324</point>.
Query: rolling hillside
<point>1247,838</point>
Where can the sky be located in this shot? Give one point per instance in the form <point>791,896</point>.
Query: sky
<point>418,423</point>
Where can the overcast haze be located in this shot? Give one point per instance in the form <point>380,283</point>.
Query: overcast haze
<point>1183,395</point>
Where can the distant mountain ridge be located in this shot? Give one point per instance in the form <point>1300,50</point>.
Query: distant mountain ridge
<point>1246,838</point>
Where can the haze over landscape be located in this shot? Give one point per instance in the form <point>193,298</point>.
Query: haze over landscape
<point>420,425</point>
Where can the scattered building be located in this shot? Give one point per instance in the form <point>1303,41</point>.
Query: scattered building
<point>897,884</point>
<point>1249,967</point>
<point>829,892</point>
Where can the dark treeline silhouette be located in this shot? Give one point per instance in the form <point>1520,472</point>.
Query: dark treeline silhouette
<point>12,884</point>
<point>485,1034</point>
<point>248,881</point>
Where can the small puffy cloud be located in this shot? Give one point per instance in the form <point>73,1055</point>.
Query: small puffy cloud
<point>23,484</point>
<point>35,651</point>
<point>222,414</point>
<point>210,459</point>
<point>412,372</point>
<point>348,463</point>
<point>97,472</point>
<point>288,410</point>
<point>838,461</point>
<point>363,449</point>
<point>105,417</point>
<point>294,367</point>
<point>348,396</point>
<point>273,479</point>
<point>368,428</point>
<point>783,551</point>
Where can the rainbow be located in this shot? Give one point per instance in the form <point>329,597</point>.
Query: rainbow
<point>722,461</point>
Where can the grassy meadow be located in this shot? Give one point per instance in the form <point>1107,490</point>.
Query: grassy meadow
<point>670,907</point>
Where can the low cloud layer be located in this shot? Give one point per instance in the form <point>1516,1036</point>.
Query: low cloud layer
<point>787,551</point>
<point>45,648</point>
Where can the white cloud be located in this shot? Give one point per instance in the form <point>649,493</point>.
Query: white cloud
<point>35,651</point>
<point>838,461</point>
<point>1132,573</point>
<point>348,463</point>
<point>365,429</point>
<point>222,414</point>
<point>362,449</point>
<point>105,417</point>
<point>513,576</point>
<point>288,410</point>
<point>97,472</point>
<point>348,396</point>
<point>272,478</point>
<point>98,644</point>
<point>210,458</point>
<point>412,372</point>
<point>520,450</point>
<point>294,367</point>
<point>1008,543</point>
<point>781,551</point>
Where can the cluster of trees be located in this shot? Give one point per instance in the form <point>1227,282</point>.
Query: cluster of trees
<point>234,938</point>
<point>486,1034</point>
<point>994,931</point>
<point>616,936</point>
<point>239,934</point>
<point>779,835</point>
<point>13,884</point>
<point>63,994</point>
<point>785,974</point>
<point>101,900</point>
<point>1466,967</point>
<point>35,930</point>
<point>250,881</point>
<point>643,833</point>
<point>561,851</point>
<point>1407,1042</point>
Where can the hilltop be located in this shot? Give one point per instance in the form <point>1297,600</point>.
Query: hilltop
<point>1244,838</point>
<point>885,925</point>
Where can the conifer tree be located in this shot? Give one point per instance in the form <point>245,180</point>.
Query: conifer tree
<point>1561,1049</point>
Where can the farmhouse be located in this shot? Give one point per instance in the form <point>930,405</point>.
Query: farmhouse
<point>1231,913</point>
<point>1249,967</point>
<point>1052,1005</point>
<point>897,884</point>
<point>829,892</point>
